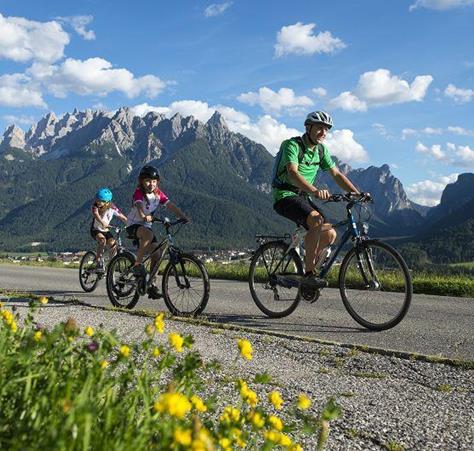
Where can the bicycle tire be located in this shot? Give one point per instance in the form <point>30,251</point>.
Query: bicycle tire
<point>177,289</point>
<point>87,270</point>
<point>261,284</point>
<point>121,284</point>
<point>379,273</point>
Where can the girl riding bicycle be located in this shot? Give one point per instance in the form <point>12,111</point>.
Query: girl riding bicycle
<point>102,212</point>
<point>146,200</point>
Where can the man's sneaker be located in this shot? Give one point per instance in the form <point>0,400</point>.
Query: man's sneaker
<point>138,271</point>
<point>154,292</point>
<point>310,280</point>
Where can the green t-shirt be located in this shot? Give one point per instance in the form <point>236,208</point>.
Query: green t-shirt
<point>289,151</point>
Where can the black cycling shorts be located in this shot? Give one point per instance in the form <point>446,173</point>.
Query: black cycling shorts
<point>296,209</point>
<point>132,234</point>
<point>108,235</point>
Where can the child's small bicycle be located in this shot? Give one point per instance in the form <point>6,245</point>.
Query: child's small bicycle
<point>89,275</point>
<point>185,282</point>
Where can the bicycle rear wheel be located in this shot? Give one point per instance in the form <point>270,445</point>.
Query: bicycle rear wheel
<point>121,283</point>
<point>88,277</point>
<point>375,285</point>
<point>186,286</point>
<point>268,263</point>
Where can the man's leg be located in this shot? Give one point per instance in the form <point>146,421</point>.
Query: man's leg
<point>320,235</point>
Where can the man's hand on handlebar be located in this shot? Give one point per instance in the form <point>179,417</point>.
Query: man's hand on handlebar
<point>322,194</point>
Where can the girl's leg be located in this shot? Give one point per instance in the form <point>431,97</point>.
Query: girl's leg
<point>145,236</point>
<point>100,246</point>
<point>112,245</point>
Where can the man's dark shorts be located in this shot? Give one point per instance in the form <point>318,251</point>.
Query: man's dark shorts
<point>296,209</point>
<point>108,235</point>
<point>132,234</point>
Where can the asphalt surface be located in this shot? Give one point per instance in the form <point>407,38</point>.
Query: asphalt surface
<point>434,325</point>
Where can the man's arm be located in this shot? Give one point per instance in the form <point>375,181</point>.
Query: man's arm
<point>299,181</point>
<point>342,181</point>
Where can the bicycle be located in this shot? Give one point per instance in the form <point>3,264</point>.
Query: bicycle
<point>89,276</point>
<point>374,281</point>
<point>185,281</point>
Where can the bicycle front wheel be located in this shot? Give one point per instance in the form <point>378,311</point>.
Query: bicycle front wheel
<point>269,266</point>
<point>186,286</point>
<point>375,285</point>
<point>121,283</point>
<point>88,276</point>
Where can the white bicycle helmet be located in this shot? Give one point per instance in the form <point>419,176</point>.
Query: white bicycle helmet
<point>319,117</point>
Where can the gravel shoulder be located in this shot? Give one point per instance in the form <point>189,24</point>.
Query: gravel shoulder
<point>387,401</point>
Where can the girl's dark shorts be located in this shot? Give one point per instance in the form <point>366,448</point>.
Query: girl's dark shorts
<point>132,234</point>
<point>296,209</point>
<point>108,235</point>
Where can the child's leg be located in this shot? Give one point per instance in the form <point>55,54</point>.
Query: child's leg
<point>112,245</point>
<point>145,235</point>
<point>100,245</point>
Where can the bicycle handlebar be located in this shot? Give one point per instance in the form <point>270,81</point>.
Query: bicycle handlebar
<point>350,197</point>
<point>167,222</point>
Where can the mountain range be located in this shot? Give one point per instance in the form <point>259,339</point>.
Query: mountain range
<point>49,174</point>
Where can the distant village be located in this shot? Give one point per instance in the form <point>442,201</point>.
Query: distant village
<point>68,258</point>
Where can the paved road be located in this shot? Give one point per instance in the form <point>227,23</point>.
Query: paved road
<point>433,325</point>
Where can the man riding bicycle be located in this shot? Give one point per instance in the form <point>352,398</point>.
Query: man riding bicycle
<point>296,166</point>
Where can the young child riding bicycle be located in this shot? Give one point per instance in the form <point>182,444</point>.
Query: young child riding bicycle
<point>147,198</point>
<point>295,170</point>
<point>103,211</point>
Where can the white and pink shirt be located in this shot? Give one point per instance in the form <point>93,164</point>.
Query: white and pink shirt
<point>106,216</point>
<point>149,203</point>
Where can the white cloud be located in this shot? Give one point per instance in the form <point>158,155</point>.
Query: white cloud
<point>383,131</point>
<point>440,4</point>
<point>433,151</point>
<point>342,144</point>
<point>348,102</point>
<point>319,92</point>
<point>17,90</point>
<point>460,131</point>
<point>216,9</point>
<point>22,120</point>
<point>275,102</point>
<point>407,132</point>
<point>94,76</point>
<point>380,87</point>
<point>22,40</point>
<point>300,40</point>
<point>459,95</point>
<point>428,192</point>
<point>79,24</point>
<point>465,156</point>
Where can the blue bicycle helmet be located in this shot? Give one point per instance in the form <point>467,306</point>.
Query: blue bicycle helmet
<point>104,195</point>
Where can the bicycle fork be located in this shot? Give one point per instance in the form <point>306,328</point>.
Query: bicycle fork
<point>373,284</point>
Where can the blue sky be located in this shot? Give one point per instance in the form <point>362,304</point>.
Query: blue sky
<point>397,76</point>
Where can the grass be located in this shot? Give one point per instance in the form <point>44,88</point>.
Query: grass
<point>70,389</point>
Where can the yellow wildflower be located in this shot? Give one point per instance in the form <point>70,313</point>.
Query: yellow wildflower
<point>156,352</point>
<point>275,398</point>
<point>175,404</point>
<point>256,419</point>
<point>237,436</point>
<point>225,444</point>
<point>43,300</point>
<point>303,402</point>
<point>295,447</point>
<point>13,326</point>
<point>150,329</point>
<point>198,445</point>
<point>275,422</point>
<point>159,322</point>
<point>245,349</point>
<point>198,403</point>
<point>104,364</point>
<point>89,331</point>
<point>7,316</point>
<point>273,436</point>
<point>38,335</point>
<point>182,437</point>
<point>124,351</point>
<point>176,341</point>
<point>285,440</point>
<point>230,414</point>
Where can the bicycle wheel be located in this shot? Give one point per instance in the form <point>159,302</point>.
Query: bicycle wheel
<point>88,277</point>
<point>269,262</point>
<point>121,283</point>
<point>375,285</point>
<point>186,286</point>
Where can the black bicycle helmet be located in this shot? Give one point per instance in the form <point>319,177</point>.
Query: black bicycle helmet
<point>149,172</point>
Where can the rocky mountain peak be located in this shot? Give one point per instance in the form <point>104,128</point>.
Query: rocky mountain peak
<point>217,120</point>
<point>14,136</point>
